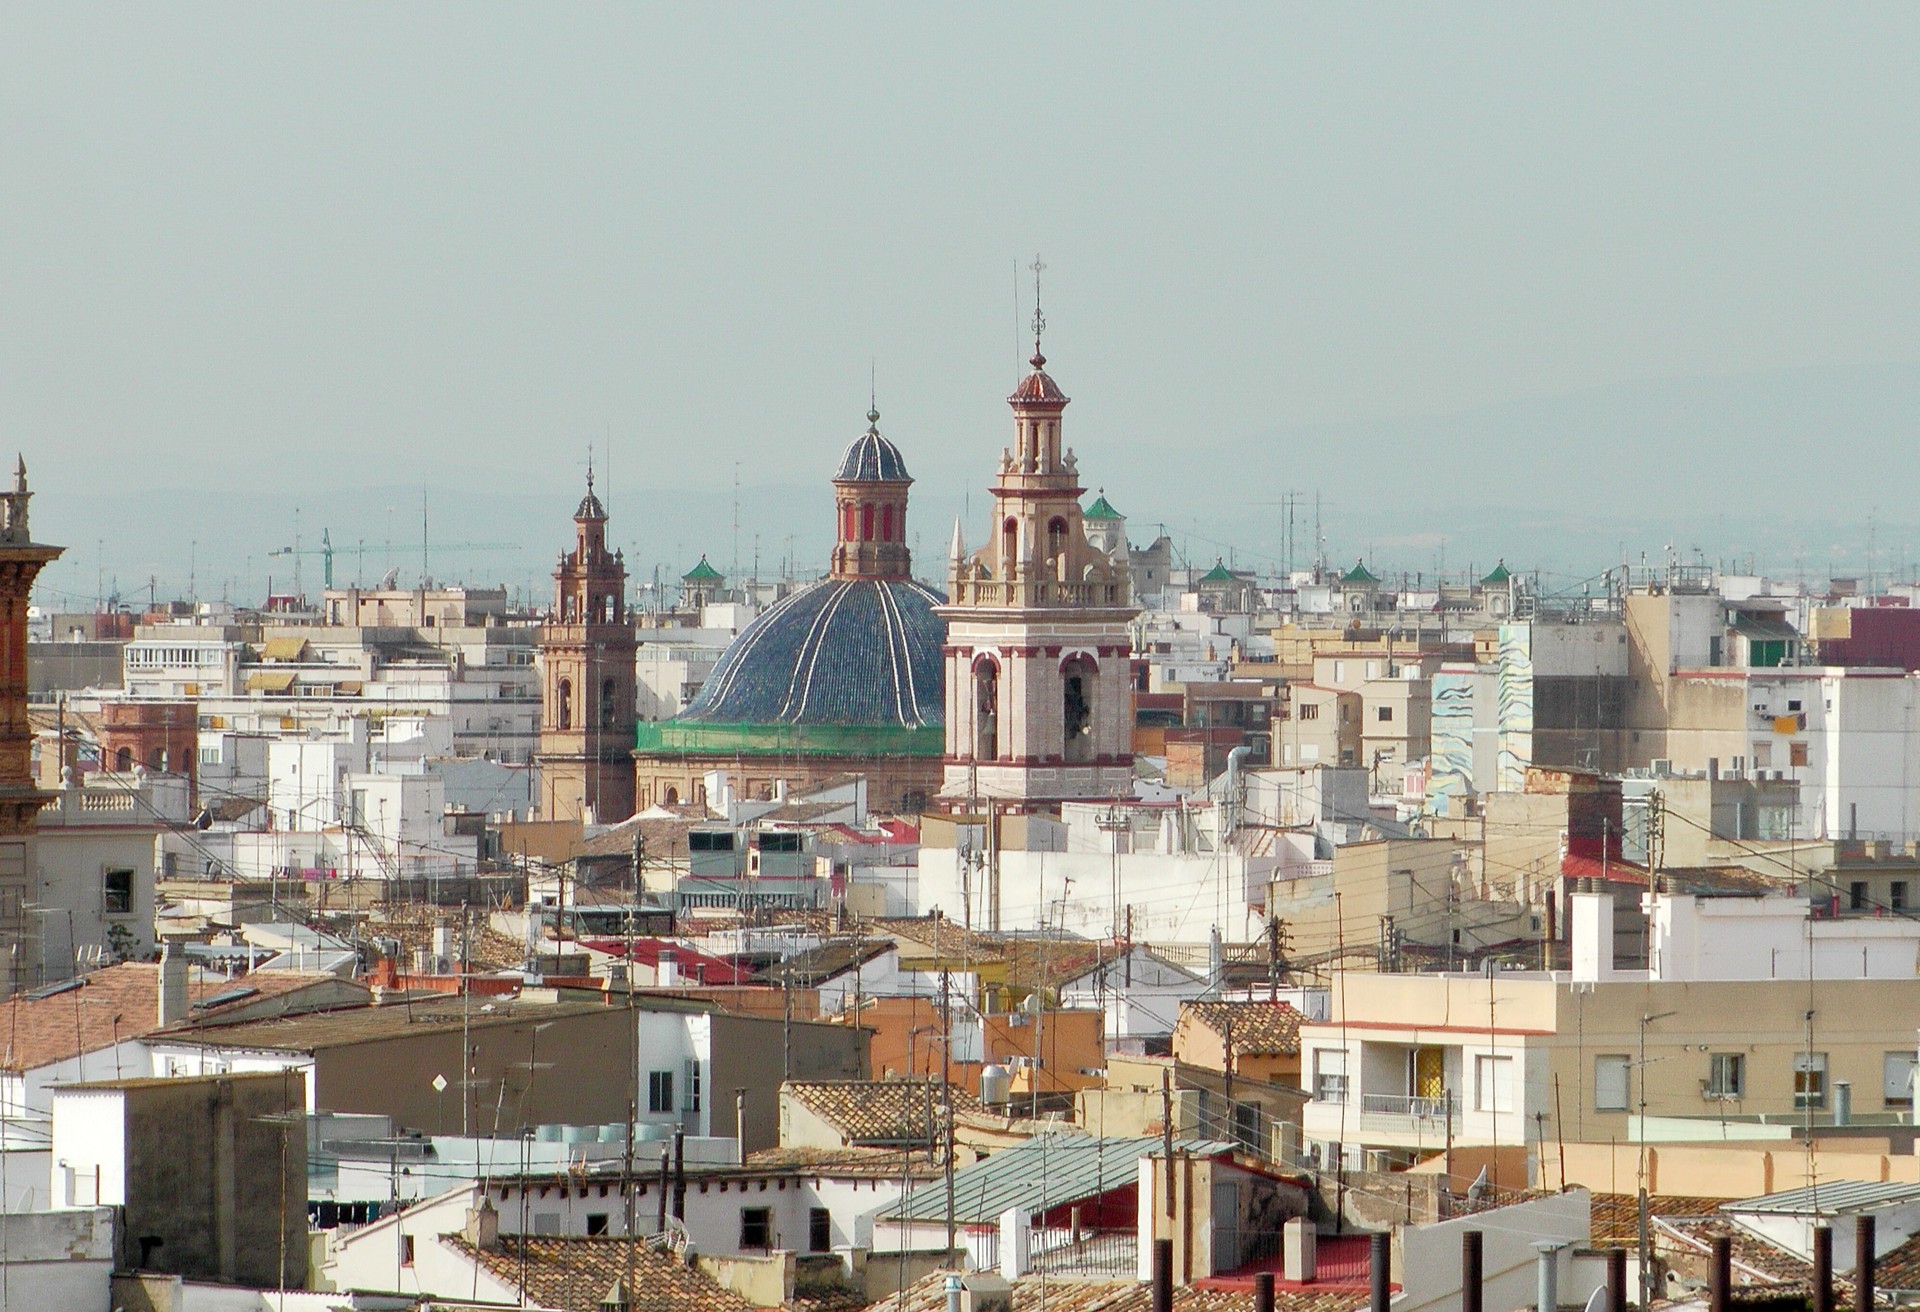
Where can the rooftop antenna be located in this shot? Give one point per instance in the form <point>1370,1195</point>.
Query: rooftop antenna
<point>736,519</point>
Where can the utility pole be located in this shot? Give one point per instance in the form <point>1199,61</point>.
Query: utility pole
<point>786,1018</point>
<point>946,1092</point>
<point>626,1183</point>
<point>1166,1131</point>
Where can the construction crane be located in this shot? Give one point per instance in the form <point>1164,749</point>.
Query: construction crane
<point>325,552</point>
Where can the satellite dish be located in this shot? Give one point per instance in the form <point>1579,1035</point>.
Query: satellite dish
<point>1597,1300</point>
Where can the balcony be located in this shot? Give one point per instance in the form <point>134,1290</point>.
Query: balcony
<point>1385,1119</point>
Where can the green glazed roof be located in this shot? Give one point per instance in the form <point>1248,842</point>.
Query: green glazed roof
<point>1358,574</point>
<point>1101,509</point>
<point>701,573</point>
<point>1500,574</point>
<point>1218,574</point>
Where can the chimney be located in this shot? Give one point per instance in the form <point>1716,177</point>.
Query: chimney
<point>482,1229</point>
<point>173,986</point>
<point>1592,933</point>
<point>1299,1251</point>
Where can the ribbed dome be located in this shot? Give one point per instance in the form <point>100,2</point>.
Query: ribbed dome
<point>842,652</point>
<point>871,458</point>
<point>590,507</point>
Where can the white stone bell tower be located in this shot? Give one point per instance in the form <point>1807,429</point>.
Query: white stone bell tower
<point>1039,693</point>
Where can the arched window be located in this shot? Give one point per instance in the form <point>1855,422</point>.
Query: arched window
<point>609,703</point>
<point>886,523</point>
<point>670,796</point>
<point>1056,536</point>
<point>563,705</point>
<point>1076,708</point>
<point>986,711</point>
<point>1009,546</point>
<point>123,760</point>
<point>846,522</point>
<point>866,523</point>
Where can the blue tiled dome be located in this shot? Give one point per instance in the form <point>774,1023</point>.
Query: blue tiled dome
<point>871,458</point>
<point>842,652</point>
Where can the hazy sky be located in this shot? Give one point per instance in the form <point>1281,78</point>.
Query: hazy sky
<point>259,257</point>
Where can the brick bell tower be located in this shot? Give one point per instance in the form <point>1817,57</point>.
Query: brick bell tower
<point>21,559</point>
<point>587,680</point>
<point>1039,698</point>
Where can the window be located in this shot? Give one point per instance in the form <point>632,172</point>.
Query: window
<point>1612,1082</point>
<point>1810,1079</point>
<point>1330,1075</point>
<point>1076,709</point>
<point>1493,1084</point>
<point>819,1230</point>
<point>986,701</point>
<point>1793,706</point>
<point>1309,711</point>
<point>659,1091</point>
<point>1796,753</point>
<point>1727,1075</point>
<point>1339,672</point>
<point>756,1227</point>
<point>693,1085</point>
<point>563,718</point>
<point>1386,714</point>
<point>1897,895</point>
<point>596,1224</point>
<point>116,892</point>
<point>609,703</point>
<point>209,756</point>
<point>406,1250</point>
<point>1857,895</point>
<point>1896,1079</point>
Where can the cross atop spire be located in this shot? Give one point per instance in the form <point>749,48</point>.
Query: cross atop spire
<point>1039,319</point>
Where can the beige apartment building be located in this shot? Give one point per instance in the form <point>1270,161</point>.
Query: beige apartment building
<point>1396,708</point>
<point>1321,726</point>
<point>1408,1067</point>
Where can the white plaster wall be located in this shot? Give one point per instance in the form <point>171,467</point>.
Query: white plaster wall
<point>1430,1265</point>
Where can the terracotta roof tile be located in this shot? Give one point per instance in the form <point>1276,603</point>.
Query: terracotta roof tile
<point>879,1112</point>
<point>1260,1029</point>
<point>1058,1295</point>
<point>122,1002</point>
<point>573,1274</point>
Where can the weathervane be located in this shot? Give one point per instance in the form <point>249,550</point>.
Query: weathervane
<point>1039,319</point>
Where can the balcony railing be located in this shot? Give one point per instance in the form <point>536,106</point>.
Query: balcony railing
<point>1394,1104</point>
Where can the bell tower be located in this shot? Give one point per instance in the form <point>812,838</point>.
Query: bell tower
<point>1039,695</point>
<point>21,559</point>
<point>587,679</point>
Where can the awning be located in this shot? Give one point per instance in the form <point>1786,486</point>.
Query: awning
<point>273,682</point>
<point>284,649</point>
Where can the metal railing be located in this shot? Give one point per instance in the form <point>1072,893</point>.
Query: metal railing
<point>1395,1104</point>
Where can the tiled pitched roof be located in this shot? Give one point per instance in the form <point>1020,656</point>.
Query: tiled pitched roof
<point>1616,1217</point>
<point>817,965</point>
<point>573,1274</point>
<point>866,1163</point>
<point>122,1002</point>
<point>1057,1295</point>
<point>880,1111</point>
<point>1260,1029</point>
